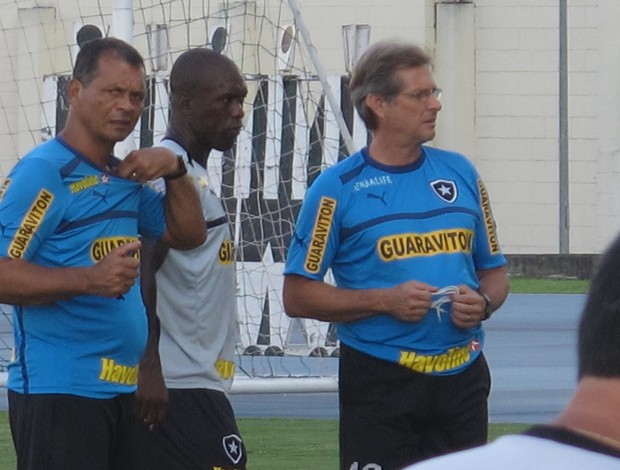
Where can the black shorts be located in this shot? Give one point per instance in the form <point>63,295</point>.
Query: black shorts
<point>391,416</point>
<point>68,432</point>
<point>199,432</point>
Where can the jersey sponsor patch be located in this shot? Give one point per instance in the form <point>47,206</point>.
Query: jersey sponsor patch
<point>411,245</point>
<point>112,371</point>
<point>374,181</point>
<point>102,246</point>
<point>452,359</point>
<point>84,183</point>
<point>489,222</point>
<point>233,448</point>
<point>226,255</point>
<point>320,234</point>
<point>30,224</point>
<point>226,369</point>
<point>445,189</point>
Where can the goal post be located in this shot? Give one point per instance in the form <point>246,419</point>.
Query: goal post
<point>299,120</point>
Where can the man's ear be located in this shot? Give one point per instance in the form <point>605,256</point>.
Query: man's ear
<point>73,89</point>
<point>184,103</point>
<point>376,104</point>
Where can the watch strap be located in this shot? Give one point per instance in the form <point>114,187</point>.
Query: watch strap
<point>182,170</point>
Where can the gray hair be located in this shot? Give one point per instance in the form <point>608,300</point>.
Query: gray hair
<point>375,73</point>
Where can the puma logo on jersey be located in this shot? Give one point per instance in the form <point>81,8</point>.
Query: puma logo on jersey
<point>375,196</point>
<point>102,195</point>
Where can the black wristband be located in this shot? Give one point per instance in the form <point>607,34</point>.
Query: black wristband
<point>182,171</point>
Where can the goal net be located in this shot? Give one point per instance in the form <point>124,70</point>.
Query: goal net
<point>299,120</point>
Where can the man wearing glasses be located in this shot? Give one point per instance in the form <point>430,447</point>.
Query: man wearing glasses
<point>408,233</point>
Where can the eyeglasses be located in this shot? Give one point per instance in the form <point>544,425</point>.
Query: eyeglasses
<point>424,95</point>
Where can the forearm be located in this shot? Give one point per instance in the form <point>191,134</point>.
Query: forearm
<point>307,298</point>
<point>150,359</point>
<point>26,283</point>
<point>495,284</point>
<point>152,395</point>
<point>153,256</point>
<point>23,283</point>
<point>186,227</point>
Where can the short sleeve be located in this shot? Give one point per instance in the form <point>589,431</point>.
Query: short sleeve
<point>151,214</point>
<point>487,253</point>
<point>31,207</point>
<point>316,237</point>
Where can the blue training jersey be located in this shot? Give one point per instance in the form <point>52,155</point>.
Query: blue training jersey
<point>58,209</point>
<point>377,226</point>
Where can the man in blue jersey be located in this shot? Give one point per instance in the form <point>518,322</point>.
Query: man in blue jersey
<point>71,215</point>
<point>191,301</point>
<point>586,433</point>
<point>408,233</point>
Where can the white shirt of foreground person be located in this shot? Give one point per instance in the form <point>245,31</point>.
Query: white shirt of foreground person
<point>521,452</point>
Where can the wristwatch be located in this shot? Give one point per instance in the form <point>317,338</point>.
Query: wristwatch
<point>488,308</point>
<point>180,172</point>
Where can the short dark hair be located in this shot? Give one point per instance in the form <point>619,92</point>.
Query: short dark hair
<point>192,69</point>
<point>86,63</point>
<point>375,73</point>
<point>599,327</point>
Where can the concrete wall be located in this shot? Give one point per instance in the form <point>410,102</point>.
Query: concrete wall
<point>555,266</point>
<point>603,63</point>
<point>517,121</point>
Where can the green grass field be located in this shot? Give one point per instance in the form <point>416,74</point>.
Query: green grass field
<point>293,444</point>
<point>520,285</point>
<point>281,444</point>
<point>273,444</point>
